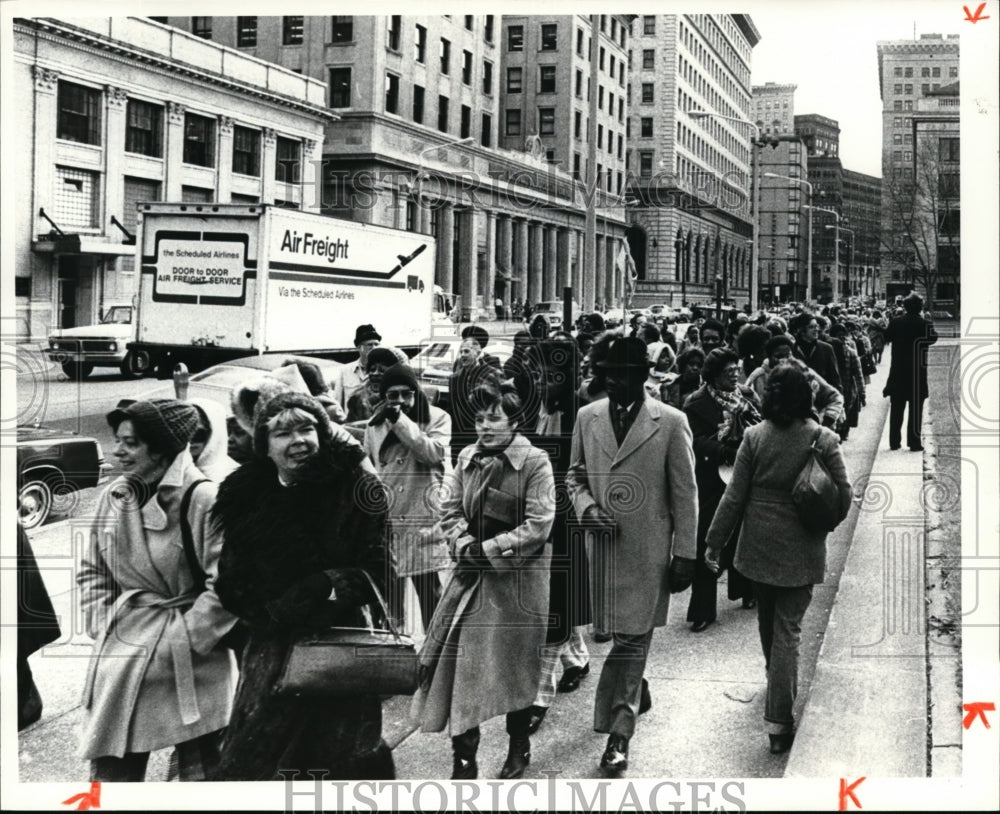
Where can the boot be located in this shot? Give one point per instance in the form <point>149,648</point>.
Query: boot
<point>465,747</point>
<point>518,758</point>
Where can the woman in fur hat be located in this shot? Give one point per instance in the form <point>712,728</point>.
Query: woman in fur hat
<point>158,676</point>
<point>304,528</point>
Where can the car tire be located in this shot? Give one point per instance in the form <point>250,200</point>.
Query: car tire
<point>135,365</point>
<point>77,371</point>
<point>34,503</point>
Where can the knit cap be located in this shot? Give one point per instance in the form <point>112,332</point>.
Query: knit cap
<point>397,375</point>
<point>166,425</point>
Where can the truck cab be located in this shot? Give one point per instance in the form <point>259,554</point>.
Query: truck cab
<point>79,350</point>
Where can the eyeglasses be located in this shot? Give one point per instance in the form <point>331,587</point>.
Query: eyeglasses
<point>399,395</point>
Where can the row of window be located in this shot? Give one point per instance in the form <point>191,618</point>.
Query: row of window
<point>907,89</point>
<point>723,76</point>
<point>925,72</point>
<point>79,119</point>
<point>612,62</point>
<point>701,86</point>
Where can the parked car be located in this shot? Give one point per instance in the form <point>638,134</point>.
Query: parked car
<point>79,350</point>
<point>663,314</point>
<point>51,465</point>
<point>553,310</point>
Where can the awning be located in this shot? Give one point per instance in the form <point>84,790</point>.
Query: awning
<point>80,244</point>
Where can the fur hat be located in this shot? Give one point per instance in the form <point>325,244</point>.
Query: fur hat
<point>267,409</point>
<point>166,425</point>
<point>247,394</point>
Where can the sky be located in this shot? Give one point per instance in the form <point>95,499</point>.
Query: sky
<point>828,50</point>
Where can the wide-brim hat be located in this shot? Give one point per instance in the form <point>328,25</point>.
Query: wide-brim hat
<point>627,353</point>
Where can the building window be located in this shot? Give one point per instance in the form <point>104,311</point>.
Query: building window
<point>514,80</point>
<point>907,105</point>
<point>948,149</point>
<point>600,59</point>
<point>645,164</point>
<point>515,38</point>
<point>421,44</point>
<point>199,140</point>
<point>621,146</point>
<point>487,77</point>
<point>391,93</point>
<point>953,72</point>
<point>76,198</point>
<point>445,56</point>
<point>466,67</point>
<point>144,129</point>
<point>621,110</point>
<point>546,121</point>
<point>22,286</point>
<point>579,84</point>
<point>196,195</point>
<point>488,30</point>
<point>291,30</point>
<point>648,58</point>
<point>443,114</point>
<point>898,89</point>
<point>576,166</point>
<point>897,138</point>
<point>646,127</point>
<point>897,105</point>
<point>600,137</point>
<point>600,98</point>
<point>897,71</point>
<point>908,72</point>
<point>342,30</point>
<point>418,104</point>
<point>246,32</point>
<point>465,123</point>
<point>513,123</point>
<point>908,90</point>
<point>394,32</point>
<point>577,124</point>
<point>897,155</point>
<point>547,79</point>
<point>79,114</point>
<point>340,87</point>
<point>137,191</point>
<point>468,22</point>
<point>288,161</point>
<point>246,151</point>
<point>647,93</point>
<point>549,37</point>
<point>949,184</point>
<point>925,73</point>
<point>649,24</point>
<point>202,27</point>
<point>486,133</point>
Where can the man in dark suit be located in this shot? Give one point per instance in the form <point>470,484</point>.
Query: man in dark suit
<point>910,335</point>
<point>814,351</point>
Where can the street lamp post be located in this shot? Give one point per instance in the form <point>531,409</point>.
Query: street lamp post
<point>809,250</point>
<point>836,248</point>
<point>755,194</point>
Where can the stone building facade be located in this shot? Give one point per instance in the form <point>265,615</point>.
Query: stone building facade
<point>774,108</point>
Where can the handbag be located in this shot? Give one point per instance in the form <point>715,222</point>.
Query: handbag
<point>815,495</point>
<point>349,661</point>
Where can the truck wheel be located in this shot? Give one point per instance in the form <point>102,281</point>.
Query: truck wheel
<point>34,503</point>
<point>135,365</point>
<point>77,371</point>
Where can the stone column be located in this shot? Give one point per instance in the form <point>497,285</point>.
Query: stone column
<point>488,279</point>
<point>549,270</point>
<point>116,101</point>
<point>173,152</point>
<point>505,240</point>
<point>579,284</point>
<point>446,234</point>
<point>424,207</point>
<point>537,263</point>
<point>614,279</point>
<point>600,294</point>
<point>224,161</point>
<point>468,262</point>
<point>564,263</point>
<point>521,227</point>
<point>268,165</point>
<point>312,175</point>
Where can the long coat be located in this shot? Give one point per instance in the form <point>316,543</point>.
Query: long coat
<point>412,462</point>
<point>156,677</point>
<point>648,485</point>
<point>820,357</point>
<point>499,616</point>
<point>774,547</point>
<point>275,536</point>
<point>910,336</point>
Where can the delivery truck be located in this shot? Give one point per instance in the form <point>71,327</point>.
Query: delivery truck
<point>220,281</point>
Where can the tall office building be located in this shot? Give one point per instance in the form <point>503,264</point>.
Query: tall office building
<point>820,134</point>
<point>861,210</point>
<point>691,176</point>
<point>908,71</point>
<point>783,222</point>
<point>774,108</point>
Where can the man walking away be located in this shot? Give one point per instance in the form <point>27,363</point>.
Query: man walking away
<point>910,335</point>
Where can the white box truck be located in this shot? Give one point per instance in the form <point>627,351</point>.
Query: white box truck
<point>220,281</point>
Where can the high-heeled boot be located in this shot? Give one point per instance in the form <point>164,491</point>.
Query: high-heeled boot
<point>518,757</point>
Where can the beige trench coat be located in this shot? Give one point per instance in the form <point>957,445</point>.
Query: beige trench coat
<point>648,485</point>
<point>502,617</point>
<point>156,677</point>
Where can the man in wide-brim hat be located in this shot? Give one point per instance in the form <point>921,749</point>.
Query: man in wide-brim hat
<point>631,479</point>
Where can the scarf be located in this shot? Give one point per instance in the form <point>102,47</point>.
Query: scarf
<point>738,413</point>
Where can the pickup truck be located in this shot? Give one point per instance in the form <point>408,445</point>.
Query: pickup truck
<point>80,350</point>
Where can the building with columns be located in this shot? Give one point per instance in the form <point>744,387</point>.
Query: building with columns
<point>691,177</point>
<point>416,147</point>
<point>114,111</point>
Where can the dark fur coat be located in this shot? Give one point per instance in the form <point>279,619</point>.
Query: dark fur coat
<point>274,536</point>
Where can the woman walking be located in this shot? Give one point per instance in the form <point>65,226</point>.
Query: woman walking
<point>305,538</point>
<point>482,655</point>
<point>157,677</point>
<point>775,550</point>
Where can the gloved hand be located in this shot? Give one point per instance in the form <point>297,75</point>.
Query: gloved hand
<point>471,557</point>
<point>680,574</point>
<point>596,515</point>
<point>299,600</point>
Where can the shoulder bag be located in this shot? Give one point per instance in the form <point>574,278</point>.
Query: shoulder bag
<point>815,494</point>
<point>349,661</point>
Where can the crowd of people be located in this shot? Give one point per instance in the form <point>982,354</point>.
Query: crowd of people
<point>562,497</point>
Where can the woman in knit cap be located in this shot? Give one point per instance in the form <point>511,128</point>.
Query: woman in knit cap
<point>409,442</point>
<point>158,676</point>
<point>304,530</point>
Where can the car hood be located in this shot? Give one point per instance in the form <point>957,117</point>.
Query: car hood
<point>118,330</point>
<point>32,433</point>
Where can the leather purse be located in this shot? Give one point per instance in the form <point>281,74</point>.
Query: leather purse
<point>815,494</point>
<point>349,661</point>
